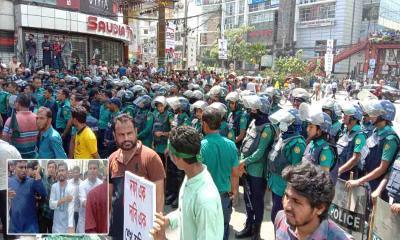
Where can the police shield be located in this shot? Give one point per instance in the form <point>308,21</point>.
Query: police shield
<point>348,209</point>
<point>386,223</point>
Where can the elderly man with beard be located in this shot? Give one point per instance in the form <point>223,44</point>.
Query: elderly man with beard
<point>61,201</point>
<point>135,157</point>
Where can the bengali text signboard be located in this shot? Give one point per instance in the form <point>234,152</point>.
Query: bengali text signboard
<point>140,207</point>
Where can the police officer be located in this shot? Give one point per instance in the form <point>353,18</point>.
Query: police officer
<point>197,110</point>
<point>299,96</point>
<point>144,119</point>
<point>383,145</point>
<point>114,105</point>
<point>216,94</point>
<point>287,150</point>
<point>163,119</point>
<point>331,107</point>
<point>104,120</point>
<point>127,103</point>
<point>276,96</point>
<point>350,145</point>
<point>237,119</point>
<point>319,151</point>
<point>180,107</point>
<point>367,124</point>
<point>393,186</point>
<point>254,149</point>
<point>63,116</point>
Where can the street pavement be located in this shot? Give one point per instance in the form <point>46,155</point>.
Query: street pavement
<point>238,217</point>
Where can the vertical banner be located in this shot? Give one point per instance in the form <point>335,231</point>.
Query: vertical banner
<point>139,206</point>
<point>348,209</point>
<point>222,49</point>
<point>170,41</point>
<point>386,224</point>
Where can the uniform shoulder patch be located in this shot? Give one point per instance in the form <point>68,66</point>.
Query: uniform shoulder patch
<point>230,135</point>
<point>358,141</point>
<point>386,147</point>
<point>264,135</point>
<point>323,157</point>
<point>296,150</point>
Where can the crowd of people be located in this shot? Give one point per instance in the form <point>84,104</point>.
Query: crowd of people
<point>57,200</point>
<point>201,132</point>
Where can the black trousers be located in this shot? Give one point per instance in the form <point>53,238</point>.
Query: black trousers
<point>174,176</point>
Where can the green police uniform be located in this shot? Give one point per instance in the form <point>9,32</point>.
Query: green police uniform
<point>256,162</point>
<point>196,123</point>
<point>4,102</point>
<point>293,152</point>
<point>104,117</point>
<point>274,108</point>
<point>390,144</point>
<point>327,157</point>
<point>160,147</point>
<point>360,139</point>
<point>129,109</point>
<point>63,114</point>
<point>145,135</point>
<point>39,95</point>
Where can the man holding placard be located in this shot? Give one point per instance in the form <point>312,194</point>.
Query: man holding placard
<point>199,215</point>
<point>135,157</point>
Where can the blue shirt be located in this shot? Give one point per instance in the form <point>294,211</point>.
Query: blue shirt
<point>23,211</point>
<point>51,145</point>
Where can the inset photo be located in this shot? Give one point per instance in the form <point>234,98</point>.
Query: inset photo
<point>57,197</point>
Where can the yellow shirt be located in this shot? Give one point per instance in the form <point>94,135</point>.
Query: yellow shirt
<point>85,144</point>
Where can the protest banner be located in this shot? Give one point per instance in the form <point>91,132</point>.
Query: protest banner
<point>140,207</point>
<point>385,224</point>
<point>348,209</point>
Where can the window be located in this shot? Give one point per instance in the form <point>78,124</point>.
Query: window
<point>241,20</point>
<point>261,17</point>
<point>230,9</point>
<point>241,6</point>
<point>229,22</point>
<point>145,31</point>
<point>317,12</point>
<point>203,38</point>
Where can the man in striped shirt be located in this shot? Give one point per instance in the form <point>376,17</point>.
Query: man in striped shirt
<point>20,129</point>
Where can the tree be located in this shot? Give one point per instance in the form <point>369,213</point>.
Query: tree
<point>290,65</point>
<point>254,53</point>
<point>237,44</point>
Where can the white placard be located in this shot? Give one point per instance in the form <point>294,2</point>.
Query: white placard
<point>329,46</point>
<point>140,207</point>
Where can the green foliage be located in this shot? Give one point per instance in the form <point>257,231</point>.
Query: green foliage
<point>254,52</point>
<point>290,65</point>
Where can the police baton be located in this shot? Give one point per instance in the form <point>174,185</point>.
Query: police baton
<point>247,193</point>
<point>349,192</point>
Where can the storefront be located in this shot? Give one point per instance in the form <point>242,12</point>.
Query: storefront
<point>90,36</point>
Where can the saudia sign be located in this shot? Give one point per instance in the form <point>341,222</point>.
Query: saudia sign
<point>109,28</point>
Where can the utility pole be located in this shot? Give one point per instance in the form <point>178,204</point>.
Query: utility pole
<point>161,35</point>
<point>185,32</point>
<point>222,29</point>
<point>351,36</point>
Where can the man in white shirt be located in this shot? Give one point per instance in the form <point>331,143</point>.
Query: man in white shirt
<point>8,151</point>
<point>61,201</point>
<point>84,188</point>
<point>75,181</point>
<point>251,85</point>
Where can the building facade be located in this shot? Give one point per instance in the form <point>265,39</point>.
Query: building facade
<point>95,31</point>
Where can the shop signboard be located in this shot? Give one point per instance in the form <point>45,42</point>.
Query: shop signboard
<point>71,4</point>
<point>106,27</point>
<point>103,8</point>
<point>328,62</point>
<point>140,202</point>
<point>348,209</point>
<point>386,223</point>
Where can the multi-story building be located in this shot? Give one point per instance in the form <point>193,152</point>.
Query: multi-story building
<point>347,22</point>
